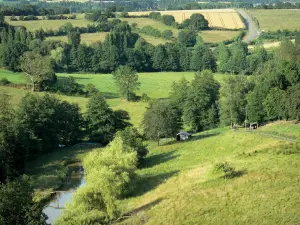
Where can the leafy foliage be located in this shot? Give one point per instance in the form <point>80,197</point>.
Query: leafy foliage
<point>200,108</point>
<point>161,120</point>
<point>17,205</point>
<point>109,173</point>
<point>127,81</point>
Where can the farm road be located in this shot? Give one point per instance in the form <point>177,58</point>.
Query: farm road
<point>253,30</point>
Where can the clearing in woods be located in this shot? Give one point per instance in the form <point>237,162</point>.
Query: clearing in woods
<point>277,19</point>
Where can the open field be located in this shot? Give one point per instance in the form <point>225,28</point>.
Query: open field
<point>32,25</point>
<point>177,184</point>
<point>156,85</point>
<point>215,36</point>
<point>85,38</point>
<point>217,18</point>
<point>277,19</point>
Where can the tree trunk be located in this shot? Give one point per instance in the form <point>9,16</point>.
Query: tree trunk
<point>33,87</point>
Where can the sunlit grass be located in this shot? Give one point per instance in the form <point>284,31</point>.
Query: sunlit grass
<point>277,19</point>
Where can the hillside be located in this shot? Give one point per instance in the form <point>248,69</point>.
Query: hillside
<point>177,185</point>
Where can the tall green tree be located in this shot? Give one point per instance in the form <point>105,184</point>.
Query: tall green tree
<point>179,92</point>
<point>17,205</point>
<point>223,55</point>
<point>275,104</point>
<point>200,108</point>
<point>187,38</point>
<point>161,120</point>
<point>127,81</point>
<point>233,102</point>
<point>38,70</point>
<point>203,59</point>
<point>48,122</point>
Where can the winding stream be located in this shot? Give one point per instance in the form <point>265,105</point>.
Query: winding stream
<point>55,207</point>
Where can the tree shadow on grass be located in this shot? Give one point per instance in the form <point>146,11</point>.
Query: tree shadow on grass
<point>158,159</point>
<point>202,136</point>
<point>144,207</point>
<point>110,95</point>
<point>146,183</point>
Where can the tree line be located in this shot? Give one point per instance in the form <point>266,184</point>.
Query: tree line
<point>272,93</point>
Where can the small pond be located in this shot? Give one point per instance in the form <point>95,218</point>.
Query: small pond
<point>55,207</point>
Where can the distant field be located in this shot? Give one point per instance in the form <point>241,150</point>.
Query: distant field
<point>32,25</point>
<point>217,18</point>
<point>215,36</point>
<point>142,22</point>
<point>85,38</point>
<point>272,20</point>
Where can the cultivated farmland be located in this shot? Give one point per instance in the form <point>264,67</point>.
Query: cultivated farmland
<point>217,18</point>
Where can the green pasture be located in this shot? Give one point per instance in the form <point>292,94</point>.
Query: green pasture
<point>277,19</point>
<point>155,85</point>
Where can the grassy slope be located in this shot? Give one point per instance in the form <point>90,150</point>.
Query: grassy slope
<point>291,128</point>
<point>178,187</point>
<point>272,20</point>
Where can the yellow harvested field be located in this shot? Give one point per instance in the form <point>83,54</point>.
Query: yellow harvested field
<point>217,18</point>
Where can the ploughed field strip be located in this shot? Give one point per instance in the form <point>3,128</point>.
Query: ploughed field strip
<point>217,18</point>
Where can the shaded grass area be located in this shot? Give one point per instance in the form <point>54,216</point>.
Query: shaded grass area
<point>180,176</point>
<point>272,20</point>
<point>49,171</point>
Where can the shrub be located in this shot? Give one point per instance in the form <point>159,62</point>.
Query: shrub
<point>145,98</point>
<point>226,169</point>
<point>124,14</point>
<point>67,86</point>
<point>155,15</point>
<point>168,20</point>
<point>4,82</point>
<point>90,89</point>
<point>167,34</point>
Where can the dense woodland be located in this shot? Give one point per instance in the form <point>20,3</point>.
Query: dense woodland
<point>259,86</point>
